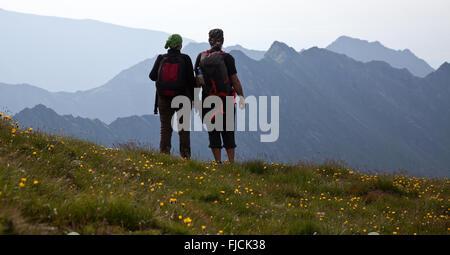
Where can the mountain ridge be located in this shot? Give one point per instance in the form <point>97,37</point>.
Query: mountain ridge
<point>366,51</point>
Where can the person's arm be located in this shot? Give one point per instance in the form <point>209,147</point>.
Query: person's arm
<point>154,73</point>
<point>235,82</point>
<point>238,88</point>
<point>237,85</point>
<point>190,74</point>
<point>190,79</point>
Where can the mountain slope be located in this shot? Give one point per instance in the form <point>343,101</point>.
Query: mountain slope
<point>60,54</point>
<point>253,54</point>
<point>368,51</point>
<point>45,119</point>
<point>56,185</point>
<point>441,76</point>
<point>360,112</point>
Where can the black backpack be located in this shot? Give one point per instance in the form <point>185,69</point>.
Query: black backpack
<point>215,73</point>
<point>171,75</point>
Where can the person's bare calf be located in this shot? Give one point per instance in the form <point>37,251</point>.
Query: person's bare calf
<point>230,153</point>
<point>217,154</point>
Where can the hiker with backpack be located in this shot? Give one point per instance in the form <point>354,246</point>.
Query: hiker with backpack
<point>217,75</point>
<point>174,76</point>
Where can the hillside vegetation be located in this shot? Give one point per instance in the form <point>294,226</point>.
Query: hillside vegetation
<point>55,185</point>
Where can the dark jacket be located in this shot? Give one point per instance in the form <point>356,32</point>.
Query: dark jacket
<point>189,79</point>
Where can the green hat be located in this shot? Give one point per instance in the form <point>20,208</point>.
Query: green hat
<point>173,41</point>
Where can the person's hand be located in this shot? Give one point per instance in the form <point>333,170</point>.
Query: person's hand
<point>241,103</point>
<point>198,82</point>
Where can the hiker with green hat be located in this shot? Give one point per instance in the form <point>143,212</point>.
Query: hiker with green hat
<point>174,76</point>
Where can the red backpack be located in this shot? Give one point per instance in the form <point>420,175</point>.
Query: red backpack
<point>171,75</point>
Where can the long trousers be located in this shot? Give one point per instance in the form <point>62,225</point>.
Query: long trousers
<point>165,115</point>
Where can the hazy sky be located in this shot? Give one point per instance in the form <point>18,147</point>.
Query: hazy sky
<point>420,25</point>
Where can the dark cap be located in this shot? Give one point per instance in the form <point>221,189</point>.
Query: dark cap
<point>216,38</point>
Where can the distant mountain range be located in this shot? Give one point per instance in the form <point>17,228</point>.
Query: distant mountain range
<point>368,51</point>
<point>370,114</point>
<point>60,54</point>
<point>112,100</point>
<point>129,93</point>
<point>192,49</point>
<point>43,118</point>
<point>140,130</point>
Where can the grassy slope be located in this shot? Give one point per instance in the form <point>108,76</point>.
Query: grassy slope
<point>52,184</point>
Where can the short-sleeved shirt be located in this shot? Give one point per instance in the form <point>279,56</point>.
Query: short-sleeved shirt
<point>229,62</point>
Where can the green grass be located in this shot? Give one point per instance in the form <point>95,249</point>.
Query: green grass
<point>56,185</point>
